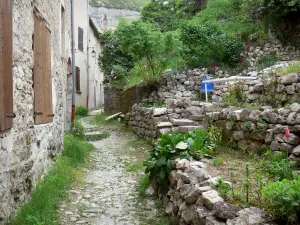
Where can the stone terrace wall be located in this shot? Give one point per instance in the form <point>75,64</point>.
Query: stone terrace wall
<point>269,87</point>
<point>112,100</point>
<point>191,199</point>
<point>150,123</point>
<point>283,53</point>
<point>257,130</point>
<point>27,150</point>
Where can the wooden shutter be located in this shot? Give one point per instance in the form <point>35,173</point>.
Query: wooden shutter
<point>80,38</point>
<point>42,71</point>
<point>77,79</point>
<point>6,72</point>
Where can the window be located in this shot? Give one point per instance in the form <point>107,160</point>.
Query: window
<point>78,80</point>
<point>42,71</point>
<point>62,28</point>
<point>80,39</point>
<point>6,72</point>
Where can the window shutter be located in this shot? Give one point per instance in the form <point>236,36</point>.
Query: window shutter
<point>48,117</point>
<point>39,104</point>
<point>6,72</point>
<point>80,38</point>
<point>42,71</point>
<point>77,79</point>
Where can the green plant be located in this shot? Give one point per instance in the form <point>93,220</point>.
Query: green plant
<point>266,61</point>
<point>81,111</point>
<point>42,208</point>
<point>83,207</point>
<point>246,182</point>
<point>283,197</point>
<point>114,63</point>
<point>76,150</point>
<point>218,161</point>
<point>143,185</point>
<point>195,144</point>
<point>278,165</point>
<point>223,187</point>
<point>236,96</point>
<point>153,51</point>
<point>262,125</point>
<point>293,68</point>
<point>78,130</point>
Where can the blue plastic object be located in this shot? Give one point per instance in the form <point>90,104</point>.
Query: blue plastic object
<point>210,86</point>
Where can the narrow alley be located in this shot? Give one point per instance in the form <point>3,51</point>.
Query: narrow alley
<point>109,192</point>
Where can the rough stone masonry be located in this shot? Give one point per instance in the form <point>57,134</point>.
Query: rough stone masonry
<point>26,150</point>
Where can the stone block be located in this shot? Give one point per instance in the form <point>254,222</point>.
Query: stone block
<point>159,111</point>
<point>182,122</point>
<point>164,125</point>
<point>210,198</point>
<point>187,129</point>
<point>289,78</point>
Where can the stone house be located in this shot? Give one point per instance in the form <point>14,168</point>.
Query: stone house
<point>35,48</point>
<point>89,78</point>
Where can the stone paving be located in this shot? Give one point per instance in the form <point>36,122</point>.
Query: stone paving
<point>108,194</point>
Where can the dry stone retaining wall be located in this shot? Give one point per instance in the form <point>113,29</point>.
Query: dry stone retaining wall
<point>191,199</point>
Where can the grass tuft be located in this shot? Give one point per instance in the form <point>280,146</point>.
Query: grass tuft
<point>143,185</point>
<point>293,68</point>
<point>43,207</point>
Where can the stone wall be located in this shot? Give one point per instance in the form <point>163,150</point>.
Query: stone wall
<point>270,88</point>
<point>112,100</point>
<point>258,130</point>
<point>27,150</point>
<point>191,199</point>
<point>150,123</point>
<point>283,53</point>
<point>119,100</point>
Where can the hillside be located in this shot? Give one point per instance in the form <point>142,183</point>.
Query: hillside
<point>120,4</point>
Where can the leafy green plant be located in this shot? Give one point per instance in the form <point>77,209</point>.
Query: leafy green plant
<point>195,144</point>
<point>283,196</point>
<point>223,187</point>
<point>278,165</point>
<point>81,111</point>
<point>153,51</point>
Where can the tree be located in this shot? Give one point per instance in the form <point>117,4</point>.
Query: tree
<point>153,51</point>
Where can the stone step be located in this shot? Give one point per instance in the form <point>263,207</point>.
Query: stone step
<point>164,125</point>
<point>186,129</point>
<point>95,135</point>
<point>182,122</point>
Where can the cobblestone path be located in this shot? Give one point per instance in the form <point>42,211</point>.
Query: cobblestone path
<point>108,194</point>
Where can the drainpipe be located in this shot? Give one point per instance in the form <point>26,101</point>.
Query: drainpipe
<point>88,56</point>
<point>73,62</point>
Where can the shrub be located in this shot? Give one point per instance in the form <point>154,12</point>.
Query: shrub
<point>283,197</point>
<point>206,45</point>
<point>195,144</point>
<point>114,63</point>
<point>153,51</point>
<point>81,111</point>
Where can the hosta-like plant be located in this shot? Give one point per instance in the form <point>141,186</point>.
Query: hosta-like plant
<point>196,144</point>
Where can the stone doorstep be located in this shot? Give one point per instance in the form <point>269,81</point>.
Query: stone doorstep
<point>186,129</point>
<point>93,133</point>
<point>164,125</point>
<point>182,122</point>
